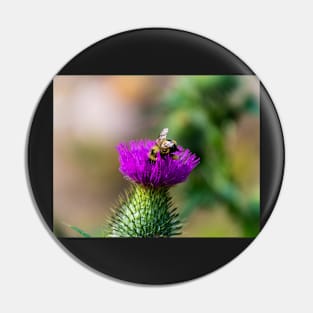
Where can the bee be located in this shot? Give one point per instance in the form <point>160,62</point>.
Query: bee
<point>164,146</point>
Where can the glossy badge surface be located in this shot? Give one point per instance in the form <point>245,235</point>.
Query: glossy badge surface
<point>155,156</point>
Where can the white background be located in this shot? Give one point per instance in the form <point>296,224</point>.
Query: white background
<point>274,38</point>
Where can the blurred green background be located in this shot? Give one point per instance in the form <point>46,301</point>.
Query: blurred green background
<point>216,117</point>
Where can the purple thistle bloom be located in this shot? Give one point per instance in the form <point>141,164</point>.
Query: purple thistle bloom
<point>136,166</point>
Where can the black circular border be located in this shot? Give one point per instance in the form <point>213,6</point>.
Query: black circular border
<point>154,51</point>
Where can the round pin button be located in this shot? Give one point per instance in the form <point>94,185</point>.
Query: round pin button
<point>155,156</point>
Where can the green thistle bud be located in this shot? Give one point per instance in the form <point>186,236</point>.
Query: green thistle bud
<point>145,212</point>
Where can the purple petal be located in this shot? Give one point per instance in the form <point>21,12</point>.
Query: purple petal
<point>136,166</point>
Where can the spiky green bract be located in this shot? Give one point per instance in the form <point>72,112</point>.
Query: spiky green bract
<point>145,212</point>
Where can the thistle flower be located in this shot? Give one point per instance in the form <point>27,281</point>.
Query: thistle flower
<point>166,171</point>
<point>146,211</point>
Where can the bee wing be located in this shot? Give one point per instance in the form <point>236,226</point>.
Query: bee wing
<point>168,144</point>
<point>163,133</point>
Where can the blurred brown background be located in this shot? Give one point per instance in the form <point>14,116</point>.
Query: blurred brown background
<point>216,117</point>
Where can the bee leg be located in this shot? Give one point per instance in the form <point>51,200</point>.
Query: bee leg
<point>175,157</point>
<point>152,155</point>
<point>152,159</point>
